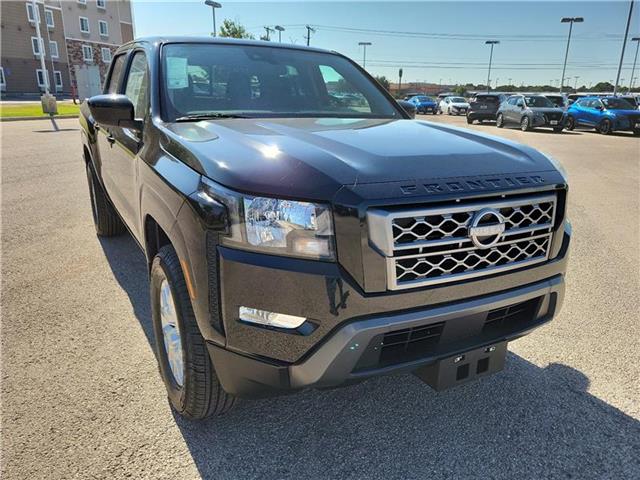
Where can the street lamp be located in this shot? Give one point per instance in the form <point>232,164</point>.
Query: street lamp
<point>624,44</point>
<point>492,43</point>
<point>213,6</point>
<point>570,21</point>
<point>364,54</point>
<point>635,59</point>
<point>280,30</point>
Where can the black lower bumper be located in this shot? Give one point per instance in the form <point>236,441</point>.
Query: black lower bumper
<point>480,115</point>
<point>356,350</point>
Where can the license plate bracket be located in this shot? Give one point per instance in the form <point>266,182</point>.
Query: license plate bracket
<point>464,367</point>
<point>554,122</point>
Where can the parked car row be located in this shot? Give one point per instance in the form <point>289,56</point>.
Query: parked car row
<point>528,111</point>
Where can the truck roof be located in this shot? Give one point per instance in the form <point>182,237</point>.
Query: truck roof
<point>165,39</point>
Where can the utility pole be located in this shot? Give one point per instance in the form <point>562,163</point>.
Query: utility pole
<point>280,30</point>
<point>399,81</point>
<point>213,6</point>
<point>309,32</point>
<point>575,85</point>
<point>624,44</point>
<point>45,74</point>
<point>635,59</point>
<point>570,21</point>
<point>364,54</point>
<point>268,30</point>
<point>492,43</point>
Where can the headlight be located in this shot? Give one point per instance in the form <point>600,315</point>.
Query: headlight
<point>275,226</point>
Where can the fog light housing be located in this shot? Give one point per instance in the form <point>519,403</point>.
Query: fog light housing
<point>270,319</point>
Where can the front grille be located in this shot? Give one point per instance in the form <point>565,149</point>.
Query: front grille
<point>553,116</point>
<point>433,245</point>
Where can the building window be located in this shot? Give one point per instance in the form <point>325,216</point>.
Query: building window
<point>30,14</point>
<point>36,46</point>
<point>87,53</point>
<point>104,28</point>
<point>102,4</point>
<point>53,49</point>
<point>48,16</point>
<point>84,24</point>
<point>106,55</point>
<point>57,76</point>
<point>43,78</point>
<point>3,82</point>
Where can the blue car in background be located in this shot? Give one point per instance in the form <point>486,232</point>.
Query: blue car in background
<point>424,104</point>
<point>605,114</point>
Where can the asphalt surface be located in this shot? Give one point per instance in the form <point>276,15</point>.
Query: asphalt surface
<point>81,396</point>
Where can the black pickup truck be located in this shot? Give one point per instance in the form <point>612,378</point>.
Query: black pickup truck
<point>301,230</point>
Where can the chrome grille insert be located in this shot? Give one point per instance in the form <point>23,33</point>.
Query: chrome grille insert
<point>426,246</point>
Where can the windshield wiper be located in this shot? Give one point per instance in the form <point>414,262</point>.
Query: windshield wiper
<point>206,116</point>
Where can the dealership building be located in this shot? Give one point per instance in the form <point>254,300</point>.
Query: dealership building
<point>78,40</point>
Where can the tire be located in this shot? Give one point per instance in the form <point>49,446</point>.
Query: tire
<point>604,127</point>
<point>525,124</point>
<point>500,121</point>
<point>105,218</point>
<point>571,123</point>
<point>557,130</point>
<point>193,390</point>
<point>636,132</point>
<point>470,121</point>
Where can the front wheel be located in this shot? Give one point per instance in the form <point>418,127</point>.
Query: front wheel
<point>636,132</point>
<point>557,130</point>
<point>605,127</point>
<point>500,121</point>
<point>469,120</point>
<point>189,377</point>
<point>571,123</point>
<point>525,124</point>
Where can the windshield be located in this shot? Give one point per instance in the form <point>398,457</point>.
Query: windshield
<point>538,101</point>
<point>617,104</point>
<point>458,100</point>
<point>556,100</point>
<point>424,99</point>
<point>255,81</point>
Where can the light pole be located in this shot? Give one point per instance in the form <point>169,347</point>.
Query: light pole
<point>280,30</point>
<point>268,30</point>
<point>364,54</point>
<point>36,19</point>
<point>309,32</point>
<point>213,6</point>
<point>624,44</point>
<point>570,21</point>
<point>492,43</point>
<point>575,85</point>
<point>635,59</point>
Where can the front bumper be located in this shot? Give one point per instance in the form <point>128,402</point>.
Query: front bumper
<point>547,123</point>
<point>482,114</point>
<point>346,355</point>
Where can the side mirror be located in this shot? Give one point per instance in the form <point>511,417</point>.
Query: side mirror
<point>408,107</point>
<point>599,107</point>
<point>113,111</point>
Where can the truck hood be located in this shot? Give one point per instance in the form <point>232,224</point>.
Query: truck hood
<point>313,158</point>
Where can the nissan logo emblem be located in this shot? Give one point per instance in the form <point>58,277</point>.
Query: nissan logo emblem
<point>486,228</point>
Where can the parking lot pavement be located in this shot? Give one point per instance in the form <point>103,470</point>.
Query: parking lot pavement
<point>81,397</point>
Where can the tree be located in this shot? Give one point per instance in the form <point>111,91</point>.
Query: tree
<point>602,87</point>
<point>460,90</point>
<point>382,80</point>
<point>232,29</point>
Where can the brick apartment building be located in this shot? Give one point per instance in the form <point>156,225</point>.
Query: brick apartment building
<point>79,38</point>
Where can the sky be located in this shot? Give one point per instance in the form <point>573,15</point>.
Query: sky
<point>433,41</point>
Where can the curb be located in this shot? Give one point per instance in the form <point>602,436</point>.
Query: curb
<point>20,119</point>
